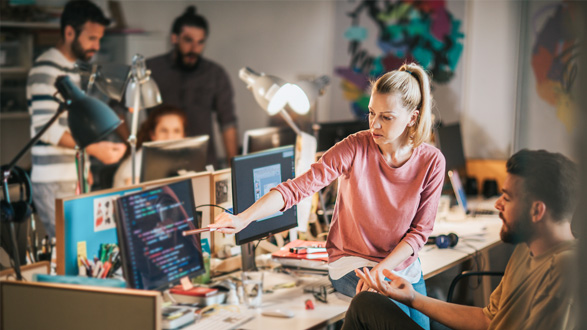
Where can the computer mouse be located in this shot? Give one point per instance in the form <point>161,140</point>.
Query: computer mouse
<point>279,312</point>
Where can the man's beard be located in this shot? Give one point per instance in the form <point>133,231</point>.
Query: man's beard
<point>80,53</point>
<point>520,231</point>
<point>179,60</point>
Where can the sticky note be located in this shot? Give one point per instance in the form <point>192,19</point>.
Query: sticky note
<point>82,252</point>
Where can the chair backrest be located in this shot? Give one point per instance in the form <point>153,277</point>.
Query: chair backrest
<point>467,274</point>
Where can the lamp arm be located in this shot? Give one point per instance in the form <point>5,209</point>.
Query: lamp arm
<point>132,139</point>
<point>36,138</point>
<point>290,121</point>
<point>6,174</point>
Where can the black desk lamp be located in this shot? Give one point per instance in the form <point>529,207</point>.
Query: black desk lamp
<point>89,120</point>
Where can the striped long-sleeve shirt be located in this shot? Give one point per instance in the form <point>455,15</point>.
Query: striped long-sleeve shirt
<point>51,163</point>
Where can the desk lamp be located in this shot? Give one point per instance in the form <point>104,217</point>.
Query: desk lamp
<point>274,95</point>
<point>110,79</point>
<point>104,82</point>
<point>141,92</point>
<point>89,120</point>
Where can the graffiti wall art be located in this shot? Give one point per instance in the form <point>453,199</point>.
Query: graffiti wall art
<point>425,32</point>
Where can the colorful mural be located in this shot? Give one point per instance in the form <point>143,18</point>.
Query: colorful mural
<point>554,58</point>
<point>407,31</point>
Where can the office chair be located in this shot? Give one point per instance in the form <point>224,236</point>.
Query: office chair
<point>466,274</point>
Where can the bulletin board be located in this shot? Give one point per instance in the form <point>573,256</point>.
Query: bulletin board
<point>88,218</point>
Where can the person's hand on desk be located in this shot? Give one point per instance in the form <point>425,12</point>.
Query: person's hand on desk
<point>228,223</point>
<point>398,288</point>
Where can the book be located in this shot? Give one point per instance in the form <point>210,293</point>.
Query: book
<point>216,298</point>
<point>284,252</point>
<point>198,291</point>
<point>175,317</point>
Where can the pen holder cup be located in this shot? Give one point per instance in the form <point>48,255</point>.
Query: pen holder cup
<point>252,288</point>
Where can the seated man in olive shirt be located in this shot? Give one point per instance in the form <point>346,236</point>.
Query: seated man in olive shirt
<point>538,290</point>
<point>195,84</point>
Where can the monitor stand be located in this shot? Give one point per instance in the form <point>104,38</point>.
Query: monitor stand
<point>248,256</point>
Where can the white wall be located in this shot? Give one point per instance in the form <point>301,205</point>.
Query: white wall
<point>288,39</point>
<point>492,38</point>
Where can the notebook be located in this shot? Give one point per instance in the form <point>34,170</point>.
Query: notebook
<point>461,196</point>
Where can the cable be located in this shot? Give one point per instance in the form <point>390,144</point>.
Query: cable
<point>478,264</point>
<point>214,205</point>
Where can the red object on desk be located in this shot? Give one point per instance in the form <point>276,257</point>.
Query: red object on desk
<point>197,291</point>
<point>284,251</point>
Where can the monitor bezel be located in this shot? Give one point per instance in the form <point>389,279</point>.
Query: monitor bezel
<point>156,146</point>
<point>251,135</point>
<point>123,244</point>
<point>239,240</point>
<point>349,127</point>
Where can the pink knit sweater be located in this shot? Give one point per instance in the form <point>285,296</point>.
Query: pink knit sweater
<point>377,206</point>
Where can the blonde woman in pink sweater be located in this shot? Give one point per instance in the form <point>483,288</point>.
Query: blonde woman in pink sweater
<point>389,186</point>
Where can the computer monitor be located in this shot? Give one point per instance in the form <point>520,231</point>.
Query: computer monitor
<point>150,223</point>
<point>450,143</point>
<point>329,134</point>
<point>253,176</point>
<point>163,159</point>
<point>267,138</point>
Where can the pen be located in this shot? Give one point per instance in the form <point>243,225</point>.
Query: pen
<point>198,231</point>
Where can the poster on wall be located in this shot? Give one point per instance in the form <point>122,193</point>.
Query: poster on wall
<point>374,37</point>
<point>549,65</point>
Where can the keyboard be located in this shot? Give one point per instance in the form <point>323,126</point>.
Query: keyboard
<point>482,212</point>
<point>222,319</point>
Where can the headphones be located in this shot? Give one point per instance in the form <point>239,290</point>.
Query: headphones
<point>444,241</point>
<point>20,210</point>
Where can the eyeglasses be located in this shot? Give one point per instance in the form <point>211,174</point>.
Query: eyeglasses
<point>320,292</point>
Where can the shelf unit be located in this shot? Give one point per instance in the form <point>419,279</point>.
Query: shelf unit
<point>18,49</point>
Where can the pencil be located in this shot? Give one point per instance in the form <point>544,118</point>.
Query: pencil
<point>197,231</point>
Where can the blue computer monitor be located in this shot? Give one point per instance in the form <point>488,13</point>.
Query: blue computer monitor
<point>253,176</point>
<point>155,254</point>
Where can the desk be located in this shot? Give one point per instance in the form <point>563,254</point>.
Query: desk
<point>434,261</point>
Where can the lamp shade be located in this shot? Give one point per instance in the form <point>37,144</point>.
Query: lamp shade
<point>307,94</point>
<point>148,91</point>
<point>107,80</point>
<point>270,92</point>
<point>111,79</point>
<point>89,119</point>
<point>142,83</point>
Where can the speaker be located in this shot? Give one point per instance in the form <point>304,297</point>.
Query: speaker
<point>21,210</point>
<point>490,188</point>
<point>444,241</point>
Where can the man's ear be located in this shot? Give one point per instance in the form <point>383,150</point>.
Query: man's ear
<point>174,38</point>
<point>69,34</point>
<point>537,211</point>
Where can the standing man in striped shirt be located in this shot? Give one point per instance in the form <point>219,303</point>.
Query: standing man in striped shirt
<point>53,157</point>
